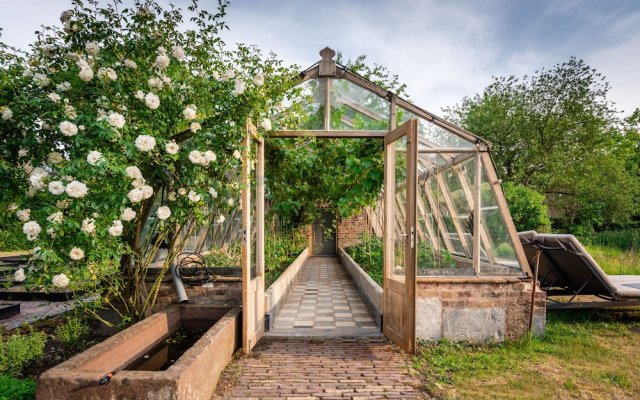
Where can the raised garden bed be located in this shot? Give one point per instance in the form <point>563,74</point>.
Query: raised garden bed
<point>193,375</point>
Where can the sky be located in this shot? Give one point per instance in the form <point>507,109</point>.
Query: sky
<point>443,50</point>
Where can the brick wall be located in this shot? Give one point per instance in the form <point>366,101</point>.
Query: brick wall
<point>226,294</point>
<point>351,229</point>
<point>477,311</point>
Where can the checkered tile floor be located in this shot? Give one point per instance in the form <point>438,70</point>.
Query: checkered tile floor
<point>324,302</point>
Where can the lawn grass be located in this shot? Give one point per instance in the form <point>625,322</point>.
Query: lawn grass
<point>615,261</point>
<point>584,354</point>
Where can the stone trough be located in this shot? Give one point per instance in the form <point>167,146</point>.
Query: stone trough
<point>194,375</point>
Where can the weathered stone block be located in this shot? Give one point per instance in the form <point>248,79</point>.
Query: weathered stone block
<point>474,324</point>
<point>428,319</point>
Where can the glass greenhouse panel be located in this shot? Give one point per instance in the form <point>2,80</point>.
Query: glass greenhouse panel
<point>304,107</point>
<point>505,260</point>
<point>431,135</point>
<point>399,217</point>
<point>356,108</point>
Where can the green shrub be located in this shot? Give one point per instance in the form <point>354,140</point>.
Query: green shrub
<point>73,332</point>
<point>281,249</point>
<point>16,389</point>
<point>527,208</point>
<point>505,250</point>
<point>19,350</point>
<point>623,239</point>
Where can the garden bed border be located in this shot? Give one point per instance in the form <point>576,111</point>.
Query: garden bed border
<point>369,290</point>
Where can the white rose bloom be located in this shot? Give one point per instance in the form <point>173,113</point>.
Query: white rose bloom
<point>178,52</point>
<point>12,207</point>
<point>88,225</point>
<point>229,74</point>
<point>68,128</point>
<point>86,74</point>
<point>162,61</point>
<point>128,214</point>
<point>135,195</point>
<point>56,217</point>
<point>155,83</point>
<point>196,157</point>
<point>55,97</point>
<point>36,177</point>
<point>193,196</point>
<point>210,156</point>
<point>189,113</point>
<point>171,196</point>
<point>172,148</point>
<point>7,114</point>
<point>133,172</point>
<point>116,228</point>
<point>94,157</point>
<point>24,215</point>
<point>107,73</point>
<point>23,153</point>
<point>116,120</point>
<point>92,48</point>
<point>41,80</point>
<point>63,87</point>
<point>230,202</point>
<point>51,232</point>
<point>181,192</point>
<point>237,154</point>
<point>213,192</point>
<point>61,280</point>
<point>147,191</point>
<point>139,95</point>
<point>70,112</point>
<point>220,219</point>
<point>32,229</point>
<point>194,127</point>
<point>54,158</point>
<point>130,64</point>
<point>258,80</point>
<point>63,204</point>
<point>56,187</point>
<point>138,182</point>
<point>145,143</point>
<point>238,88</point>
<point>18,276</point>
<point>163,213</point>
<point>266,124</point>
<point>166,80</point>
<point>152,101</point>
<point>76,189</point>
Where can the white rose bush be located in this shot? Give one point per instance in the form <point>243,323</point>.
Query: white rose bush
<point>106,123</point>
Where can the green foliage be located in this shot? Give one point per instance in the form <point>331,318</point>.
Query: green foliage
<point>74,331</point>
<point>368,255</point>
<point>16,389</point>
<point>527,208</point>
<point>19,350</point>
<point>555,132</point>
<point>615,261</point>
<point>623,239</point>
<point>505,250</point>
<point>281,249</point>
<point>229,257</point>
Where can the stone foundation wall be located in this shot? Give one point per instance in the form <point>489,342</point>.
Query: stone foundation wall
<point>351,229</point>
<point>477,309</point>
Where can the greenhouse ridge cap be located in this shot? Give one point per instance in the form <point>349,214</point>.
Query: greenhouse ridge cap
<point>329,68</point>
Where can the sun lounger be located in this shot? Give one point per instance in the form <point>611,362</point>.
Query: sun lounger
<point>565,268</point>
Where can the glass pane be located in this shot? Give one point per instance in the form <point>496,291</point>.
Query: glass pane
<point>500,256</point>
<point>356,108</point>
<point>399,211</point>
<point>303,108</point>
<point>431,135</point>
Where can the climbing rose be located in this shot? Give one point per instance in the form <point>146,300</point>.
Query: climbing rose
<point>56,187</point>
<point>266,124</point>
<point>163,213</point>
<point>152,101</point>
<point>116,228</point>
<point>236,154</point>
<point>18,276</point>
<point>76,189</point>
<point>195,156</point>
<point>24,215</point>
<point>92,48</point>
<point>7,114</point>
<point>162,61</point>
<point>213,192</point>
<point>116,120</point>
<point>130,64</point>
<point>189,112</point>
<point>56,217</point>
<point>145,143</point>
<point>107,73</point>
<point>147,191</point>
<point>178,52</point>
<point>128,214</point>
<point>194,127</point>
<point>88,225</point>
<point>55,97</point>
<point>220,219</point>
<point>133,172</point>
<point>139,95</point>
<point>209,156</point>
<point>32,229</point>
<point>172,148</point>
<point>258,80</point>
<point>61,280</point>
<point>238,88</point>
<point>193,196</point>
<point>94,157</point>
<point>135,195</point>
<point>54,158</point>
<point>68,128</point>
<point>86,74</point>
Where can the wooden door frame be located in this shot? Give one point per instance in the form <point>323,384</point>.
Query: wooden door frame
<point>407,339</point>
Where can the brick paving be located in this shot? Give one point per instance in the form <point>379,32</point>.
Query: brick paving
<point>324,302</point>
<point>297,368</point>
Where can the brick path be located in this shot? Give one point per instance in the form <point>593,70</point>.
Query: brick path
<point>324,302</point>
<point>297,368</point>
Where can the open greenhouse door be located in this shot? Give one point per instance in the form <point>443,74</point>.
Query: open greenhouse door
<point>253,241</point>
<point>400,156</point>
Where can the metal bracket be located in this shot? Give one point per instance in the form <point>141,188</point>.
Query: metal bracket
<point>412,237</point>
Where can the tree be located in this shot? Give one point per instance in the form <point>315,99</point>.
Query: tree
<point>557,133</point>
<point>120,130</point>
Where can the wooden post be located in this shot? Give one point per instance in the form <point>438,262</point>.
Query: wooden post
<point>477,214</point>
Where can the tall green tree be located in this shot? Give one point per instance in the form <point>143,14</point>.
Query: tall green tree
<point>556,132</point>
